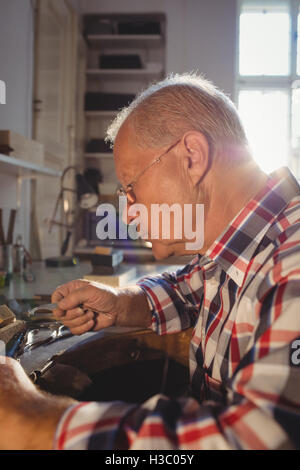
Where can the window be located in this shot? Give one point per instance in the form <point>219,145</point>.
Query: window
<point>268,80</point>
<point>298,43</point>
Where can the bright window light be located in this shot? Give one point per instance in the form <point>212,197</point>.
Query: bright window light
<point>265,117</point>
<point>296,117</point>
<point>298,46</point>
<point>264,43</point>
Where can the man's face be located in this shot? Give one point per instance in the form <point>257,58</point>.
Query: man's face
<point>166,182</point>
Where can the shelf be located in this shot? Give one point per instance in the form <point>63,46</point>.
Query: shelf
<point>121,38</point>
<point>15,166</point>
<point>99,155</point>
<point>107,114</point>
<point>145,71</point>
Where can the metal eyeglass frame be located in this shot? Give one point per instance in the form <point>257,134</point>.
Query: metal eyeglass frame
<point>128,188</point>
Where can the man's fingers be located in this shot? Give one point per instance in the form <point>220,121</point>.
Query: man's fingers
<point>75,298</point>
<point>57,296</point>
<point>79,321</point>
<point>63,291</point>
<point>74,313</point>
<point>80,330</point>
<point>82,324</point>
<point>60,292</point>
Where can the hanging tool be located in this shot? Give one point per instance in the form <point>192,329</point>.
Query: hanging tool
<point>2,237</point>
<point>11,226</point>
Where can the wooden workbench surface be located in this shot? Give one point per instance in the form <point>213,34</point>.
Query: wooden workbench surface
<point>47,279</point>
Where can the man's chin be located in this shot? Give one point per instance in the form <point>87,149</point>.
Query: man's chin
<point>162,250</point>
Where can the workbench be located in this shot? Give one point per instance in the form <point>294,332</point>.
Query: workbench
<point>46,281</point>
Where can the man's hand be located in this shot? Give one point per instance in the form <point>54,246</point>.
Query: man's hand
<point>28,417</point>
<point>84,306</point>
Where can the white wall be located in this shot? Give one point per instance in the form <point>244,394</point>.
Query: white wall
<point>16,69</point>
<point>201,34</point>
<point>16,64</point>
<point>210,44</point>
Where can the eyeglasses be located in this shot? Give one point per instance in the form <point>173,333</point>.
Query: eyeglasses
<point>128,190</point>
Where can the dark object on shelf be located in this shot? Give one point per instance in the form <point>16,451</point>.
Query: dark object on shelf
<point>98,25</point>
<point>107,101</point>
<point>98,146</point>
<point>61,262</point>
<point>104,270</point>
<point>111,261</point>
<point>139,27</point>
<point>93,177</point>
<point>6,149</point>
<point>106,264</point>
<point>120,61</point>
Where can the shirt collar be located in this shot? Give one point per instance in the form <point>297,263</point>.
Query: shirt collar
<point>235,247</point>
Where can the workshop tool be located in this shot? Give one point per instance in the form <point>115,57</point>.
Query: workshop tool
<point>11,226</point>
<point>36,374</point>
<point>34,313</point>
<point>42,308</point>
<point>2,237</point>
<point>59,332</point>
<point>14,345</point>
<point>6,246</point>
<point>65,244</point>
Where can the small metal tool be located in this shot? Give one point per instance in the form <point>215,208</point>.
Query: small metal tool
<point>40,312</point>
<point>58,333</point>
<point>42,308</point>
<point>36,374</point>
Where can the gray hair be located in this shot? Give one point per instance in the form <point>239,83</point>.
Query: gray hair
<point>181,102</point>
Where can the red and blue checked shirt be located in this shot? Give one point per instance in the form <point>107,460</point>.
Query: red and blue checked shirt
<point>243,300</point>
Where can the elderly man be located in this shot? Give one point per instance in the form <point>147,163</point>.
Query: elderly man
<point>181,141</point>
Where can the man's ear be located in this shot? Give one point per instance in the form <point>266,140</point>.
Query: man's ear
<point>197,156</point>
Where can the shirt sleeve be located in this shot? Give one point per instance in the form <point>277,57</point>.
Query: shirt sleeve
<point>261,411</point>
<point>174,298</point>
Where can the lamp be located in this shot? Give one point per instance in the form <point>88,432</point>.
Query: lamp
<point>87,198</point>
<point>86,195</point>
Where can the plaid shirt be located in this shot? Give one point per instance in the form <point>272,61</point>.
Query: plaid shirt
<point>242,298</point>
